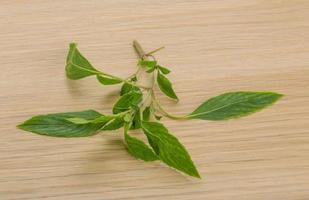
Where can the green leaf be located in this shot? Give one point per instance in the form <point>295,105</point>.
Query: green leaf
<point>138,148</point>
<point>150,65</point>
<point>233,105</point>
<point>146,114</point>
<point>136,122</point>
<point>164,70</point>
<point>106,80</point>
<point>128,101</point>
<point>113,124</point>
<point>168,148</point>
<point>77,120</point>
<point>166,86</point>
<point>150,70</point>
<point>77,66</point>
<point>58,125</point>
<point>99,120</point>
<point>126,88</point>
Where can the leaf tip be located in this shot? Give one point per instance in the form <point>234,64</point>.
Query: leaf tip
<point>20,126</point>
<point>73,45</point>
<point>276,95</point>
<point>198,176</point>
<point>279,95</point>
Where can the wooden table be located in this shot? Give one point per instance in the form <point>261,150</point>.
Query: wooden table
<point>211,46</point>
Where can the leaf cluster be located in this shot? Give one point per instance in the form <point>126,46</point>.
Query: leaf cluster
<point>138,108</point>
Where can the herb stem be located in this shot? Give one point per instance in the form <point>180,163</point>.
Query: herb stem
<point>141,53</point>
<point>154,51</point>
<point>139,50</point>
<point>163,111</point>
<point>124,80</point>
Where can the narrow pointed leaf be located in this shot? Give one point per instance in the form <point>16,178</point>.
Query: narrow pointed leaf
<point>59,124</point>
<point>166,86</point>
<point>164,70</point>
<point>234,104</point>
<point>138,148</point>
<point>168,148</point>
<point>77,66</point>
<point>105,80</point>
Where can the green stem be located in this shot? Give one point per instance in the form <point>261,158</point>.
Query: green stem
<point>154,51</point>
<point>163,111</point>
<point>123,80</point>
<point>142,55</point>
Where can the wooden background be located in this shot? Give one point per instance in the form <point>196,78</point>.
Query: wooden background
<point>212,47</point>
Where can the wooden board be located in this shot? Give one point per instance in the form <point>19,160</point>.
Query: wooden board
<point>211,46</point>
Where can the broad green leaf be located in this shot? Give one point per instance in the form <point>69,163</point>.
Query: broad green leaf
<point>58,125</point>
<point>166,86</point>
<point>113,124</point>
<point>146,114</point>
<point>126,88</point>
<point>77,66</point>
<point>168,148</point>
<point>164,70</point>
<point>128,101</point>
<point>233,105</point>
<point>106,80</point>
<point>138,148</point>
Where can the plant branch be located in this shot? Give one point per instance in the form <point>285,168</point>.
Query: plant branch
<point>123,80</point>
<point>141,53</point>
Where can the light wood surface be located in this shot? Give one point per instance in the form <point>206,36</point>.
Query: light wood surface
<point>211,46</point>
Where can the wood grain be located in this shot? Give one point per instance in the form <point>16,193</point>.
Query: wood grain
<point>211,46</point>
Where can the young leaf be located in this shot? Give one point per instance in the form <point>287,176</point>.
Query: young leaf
<point>59,124</point>
<point>168,148</point>
<point>105,80</point>
<point>126,88</point>
<point>150,65</point>
<point>150,70</point>
<point>164,70</point>
<point>233,105</point>
<point>166,86</point>
<point>138,148</point>
<point>77,66</point>
<point>128,101</point>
